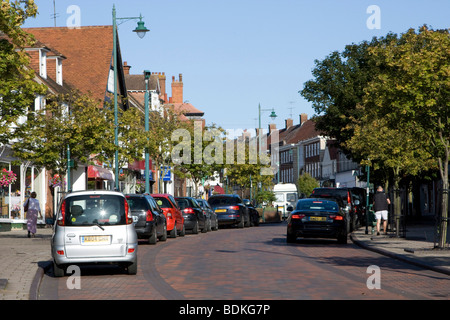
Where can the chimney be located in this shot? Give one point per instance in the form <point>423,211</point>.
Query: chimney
<point>177,90</point>
<point>126,68</point>
<point>289,123</point>
<point>303,118</point>
<point>272,127</point>
<point>162,86</point>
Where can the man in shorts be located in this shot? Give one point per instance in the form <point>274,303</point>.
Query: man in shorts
<point>380,206</point>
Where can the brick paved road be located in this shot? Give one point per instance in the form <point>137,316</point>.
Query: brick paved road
<point>253,263</point>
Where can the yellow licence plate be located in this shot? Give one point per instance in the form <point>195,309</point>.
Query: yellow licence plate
<point>95,239</point>
<point>221,210</point>
<point>313,218</point>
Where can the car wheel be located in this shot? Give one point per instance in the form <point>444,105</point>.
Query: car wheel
<point>58,271</point>
<point>290,238</point>
<point>342,238</point>
<point>153,238</point>
<point>132,268</point>
<point>195,229</point>
<point>163,237</point>
<point>182,232</point>
<point>205,227</point>
<point>216,227</point>
<point>173,232</point>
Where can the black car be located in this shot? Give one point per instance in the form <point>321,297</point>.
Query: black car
<point>230,210</point>
<point>347,198</point>
<point>317,218</point>
<point>254,215</point>
<point>194,217</point>
<point>148,218</point>
<point>213,223</point>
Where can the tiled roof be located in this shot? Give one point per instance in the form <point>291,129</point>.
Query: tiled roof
<point>187,109</point>
<point>88,51</point>
<point>136,82</point>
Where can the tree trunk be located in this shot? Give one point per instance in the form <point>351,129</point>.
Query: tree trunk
<point>443,223</point>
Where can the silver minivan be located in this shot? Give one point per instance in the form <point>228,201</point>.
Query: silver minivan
<point>94,227</point>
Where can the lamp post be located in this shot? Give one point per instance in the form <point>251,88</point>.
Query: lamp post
<point>147,157</point>
<point>140,31</point>
<point>273,115</point>
<point>367,198</point>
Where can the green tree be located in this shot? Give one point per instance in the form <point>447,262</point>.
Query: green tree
<point>17,87</point>
<point>203,154</point>
<point>338,88</point>
<point>72,120</point>
<point>412,95</point>
<point>306,184</point>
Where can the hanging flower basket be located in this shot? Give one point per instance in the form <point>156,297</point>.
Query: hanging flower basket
<point>56,181</point>
<point>7,177</point>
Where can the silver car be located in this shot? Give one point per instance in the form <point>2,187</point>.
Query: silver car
<point>94,227</point>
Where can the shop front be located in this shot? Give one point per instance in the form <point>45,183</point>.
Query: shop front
<point>16,184</point>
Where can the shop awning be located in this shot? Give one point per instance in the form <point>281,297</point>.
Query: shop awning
<point>96,172</point>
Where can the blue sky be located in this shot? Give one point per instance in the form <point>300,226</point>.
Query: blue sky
<point>235,54</point>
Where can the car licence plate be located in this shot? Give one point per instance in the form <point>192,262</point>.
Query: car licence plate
<point>94,239</point>
<point>314,218</point>
<point>221,210</point>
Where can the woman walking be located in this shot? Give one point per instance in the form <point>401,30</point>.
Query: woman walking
<point>32,209</point>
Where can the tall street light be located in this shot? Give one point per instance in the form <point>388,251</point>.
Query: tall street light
<point>273,115</point>
<point>140,30</point>
<point>147,157</point>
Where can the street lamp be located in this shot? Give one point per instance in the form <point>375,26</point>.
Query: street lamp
<point>140,31</point>
<point>273,115</point>
<point>147,157</point>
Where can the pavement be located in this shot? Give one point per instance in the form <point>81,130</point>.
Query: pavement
<point>23,260</point>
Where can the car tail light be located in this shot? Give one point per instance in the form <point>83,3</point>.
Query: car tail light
<point>60,252</point>
<point>129,218</point>
<point>63,214</point>
<point>149,216</point>
<point>337,217</point>
<point>131,250</point>
<point>234,207</point>
<point>189,210</point>
<point>298,216</point>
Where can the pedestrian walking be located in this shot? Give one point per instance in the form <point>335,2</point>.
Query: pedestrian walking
<point>32,210</point>
<point>380,206</point>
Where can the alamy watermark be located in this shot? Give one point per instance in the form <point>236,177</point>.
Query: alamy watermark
<point>374,280</point>
<point>374,20</point>
<point>237,150</point>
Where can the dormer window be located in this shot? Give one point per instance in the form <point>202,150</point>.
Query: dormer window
<point>43,63</point>
<point>59,74</point>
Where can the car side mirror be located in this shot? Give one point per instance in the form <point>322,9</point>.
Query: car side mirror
<point>290,208</point>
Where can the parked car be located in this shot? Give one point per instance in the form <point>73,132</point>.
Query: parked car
<point>230,210</point>
<point>194,217</point>
<point>254,215</point>
<point>214,222</point>
<point>174,217</point>
<point>347,198</point>
<point>148,218</point>
<point>94,227</point>
<point>360,195</point>
<point>317,218</point>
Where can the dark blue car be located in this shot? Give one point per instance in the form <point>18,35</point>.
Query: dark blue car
<point>317,218</point>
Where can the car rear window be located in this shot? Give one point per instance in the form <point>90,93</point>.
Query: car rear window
<point>137,204</point>
<point>317,205</point>
<point>222,201</point>
<point>342,193</point>
<point>85,210</point>
<point>163,202</point>
<point>183,203</point>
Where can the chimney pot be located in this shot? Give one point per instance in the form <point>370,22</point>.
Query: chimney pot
<point>303,118</point>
